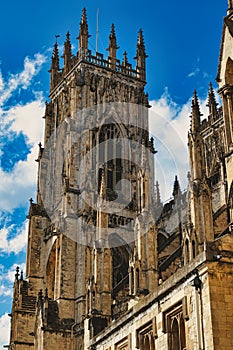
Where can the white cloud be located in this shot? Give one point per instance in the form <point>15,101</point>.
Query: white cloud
<point>17,186</point>
<point>5,330</point>
<point>23,79</point>
<point>194,72</point>
<point>5,291</point>
<point>15,244</point>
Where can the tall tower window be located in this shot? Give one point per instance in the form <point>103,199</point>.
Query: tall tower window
<point>110,156</point>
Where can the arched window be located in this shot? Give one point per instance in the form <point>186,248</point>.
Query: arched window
<point>146,343</point>
<point>187,251</point>
<point>193,249</point>
<point>120,263</point>
<point>110,156</point>
<point>137,280</point>
<point>152,343</point>
<point>131,280</point>
<point>176,329</point>
<point>182,334</point>
<point>229,72</point>
<point>51,271</point>
<point>175,335</point>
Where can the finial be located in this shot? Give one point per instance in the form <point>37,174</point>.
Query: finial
<point>113,33</point>
<point>55,66</point>
<point>112,47</point>
<point>212,104</point>
<point>17,273</point>
<point>83,34</point>
<point>21,275</point>
<point>141,43</point>
<point>141,56</point>
<point>84,15</point>
<point>125,58</point>
<point>196,114</point>
<point>67,56</point>
<point>157,194</point>
<point>31,200</point>
<point>176,188</point>
<point>57,36</point>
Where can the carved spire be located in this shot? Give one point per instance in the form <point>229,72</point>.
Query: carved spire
<point>141,56</point>
<point>55,67</point>
<point>67,56</point>
<point>176,188</point>
<point>157,194</point>
<point>196,114</point>
<point>212,104</point>
<point>125,59</point>
<point>112,47</point>
<point>17,273</point>
<point>83,34</point>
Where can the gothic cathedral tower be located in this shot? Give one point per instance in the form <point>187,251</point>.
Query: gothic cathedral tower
<point>87,256</point>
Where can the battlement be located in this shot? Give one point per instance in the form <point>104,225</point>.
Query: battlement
<point>84,54</point>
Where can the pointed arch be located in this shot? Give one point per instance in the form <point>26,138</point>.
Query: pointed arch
<point>182,334</point>
<point>50,271</point>
<point>121,253</point>
<point>146,343</point>
<point>229,72</point>
<point>194,252</point>
<point>187,253</point>
<point>175,335</point>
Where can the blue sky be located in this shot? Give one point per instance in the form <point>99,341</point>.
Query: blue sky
<point>182,40</point>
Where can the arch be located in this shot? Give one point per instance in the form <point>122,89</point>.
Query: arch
<point>229,72</point>
<point>186,248</point>
<point>131,280</point>
<point>111,156</point>
<point>182,334</point>
<point>175,335</point>
<point>137,280</point>
<point>152,343</point>
<point>146,343</point>
<point>50,271</point>
<point>194,253</point>
<point>121,253</point>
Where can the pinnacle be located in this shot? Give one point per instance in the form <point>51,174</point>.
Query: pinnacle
<point>196,114</point>
<point>68,36</point>
<point>141,38</point>
<point>113,29</point>
<point>125,59</point>
<point>195,104</point>
<point>84,15</point>
<point>157,193</point>
<point>211,96</point>
<point>176,188</point>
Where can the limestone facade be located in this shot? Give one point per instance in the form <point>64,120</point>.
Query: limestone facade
<point>148,275</point>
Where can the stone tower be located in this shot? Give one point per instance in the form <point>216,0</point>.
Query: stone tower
<point>109,266</point>
<point>84,261</point>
